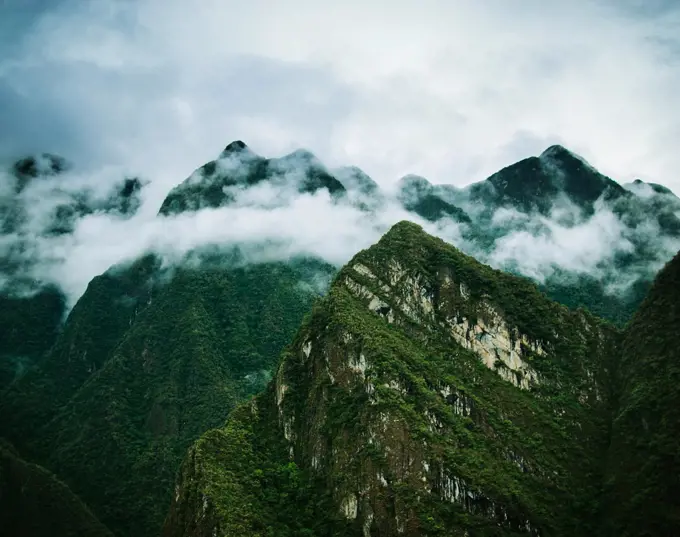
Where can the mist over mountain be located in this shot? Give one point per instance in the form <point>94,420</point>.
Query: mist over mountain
<point>130,327</point>
<point>588,241</point>
<point>373,269</point>
<point>428,394</point>
<point>552,218</point>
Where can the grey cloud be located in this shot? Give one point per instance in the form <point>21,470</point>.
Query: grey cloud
<point>453,91</point>
<point>275,213</point>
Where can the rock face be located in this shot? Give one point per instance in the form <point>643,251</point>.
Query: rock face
<point>427,394</point>
<point>549,194</point>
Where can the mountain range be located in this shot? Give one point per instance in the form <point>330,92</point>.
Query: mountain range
<point>416,390</point>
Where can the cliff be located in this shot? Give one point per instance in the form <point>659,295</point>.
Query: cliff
<point>427,394</point>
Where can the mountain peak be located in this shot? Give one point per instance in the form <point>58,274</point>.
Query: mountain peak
<point>644,189</point>
<point>235,147</point>
<point>34,166</point>
<point>403,228</point>
<point>556,150</point>
<point>414,185</point>
<point>354,178</point>
<point>303,156</point>
<point>563,155</point>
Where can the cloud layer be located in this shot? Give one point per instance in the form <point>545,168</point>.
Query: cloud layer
<point>452,91</point>
<point>290,223</point>
<point>449,90</point>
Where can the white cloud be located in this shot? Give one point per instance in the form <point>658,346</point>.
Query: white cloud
<point>578,248</point>
<point>450,90</point>
<point>310,224</point>
<point>315,224</point>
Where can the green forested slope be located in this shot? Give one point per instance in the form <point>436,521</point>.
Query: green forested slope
<point>644,457</point>
<point>147,361</point>
<point>34,503</point>
<point>29,327</point>
<point>391,414</point>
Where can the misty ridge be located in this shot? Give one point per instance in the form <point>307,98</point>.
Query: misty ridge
<point>551,218</point>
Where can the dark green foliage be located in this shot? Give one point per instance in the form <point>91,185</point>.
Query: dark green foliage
<point>34,503</point>
<point>525,184</point>
<point>94,327</point>
<point>588,292</point>
<point>522,455</point>
<point>433,208</point>
<point>643,488</point>
<point>146,363</point>
<point>28,329</point>
<point>238,481</point>
<point>418,195</point>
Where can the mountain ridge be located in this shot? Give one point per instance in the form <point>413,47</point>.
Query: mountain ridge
<point>373,385</point>
<point>109,388</point>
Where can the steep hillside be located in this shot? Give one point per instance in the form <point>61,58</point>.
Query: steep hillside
<point>644,458</point>
<point>427,394</point>
<point>34,503</point>
<point>38,203</point>
<point>29,327</point>
<point>148,360</point>
<point>543,201</point>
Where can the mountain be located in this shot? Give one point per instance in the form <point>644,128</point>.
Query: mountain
<point>535,199</point>
<point>147,361</point>
<point>418,195</point>
<point>34,503</point>
<point>535,182</point>
<point>651,199</point>
<point>37,204</point>
<point>427,394</point>
<point>44,181</point>
<point>362,191</point>
<point>644,459</point>
<point>547,196</point>
<point>32,167</point>
<point>217,182</point>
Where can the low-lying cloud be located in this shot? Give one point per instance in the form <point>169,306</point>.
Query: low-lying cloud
<point>291,223</point>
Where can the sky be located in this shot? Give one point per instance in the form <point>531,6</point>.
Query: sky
<point>452,90</point>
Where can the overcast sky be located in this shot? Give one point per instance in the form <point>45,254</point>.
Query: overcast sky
<point>451,89</point>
